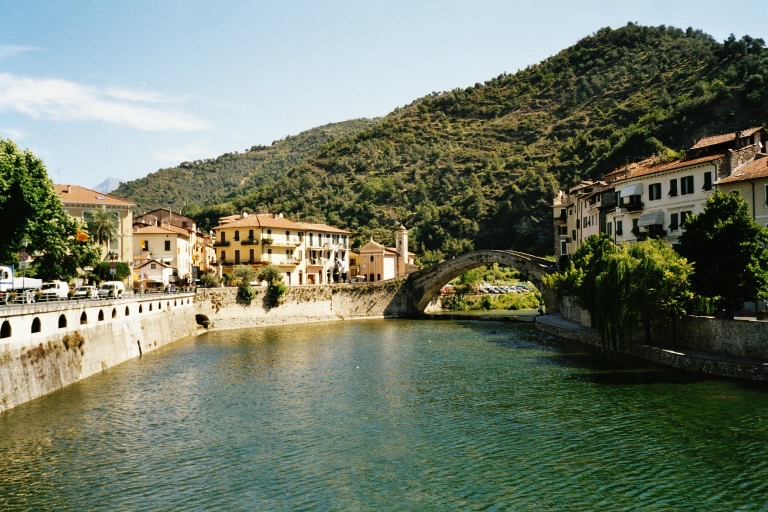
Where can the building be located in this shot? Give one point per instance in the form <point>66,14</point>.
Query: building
<point>166,244</point>
<point>306,253</point>
<point>375,262</point>
<point>154,274</point>
<point>751,181</point>
<point>200,257</point>
<point>653,198</point>
<point>78,201</point>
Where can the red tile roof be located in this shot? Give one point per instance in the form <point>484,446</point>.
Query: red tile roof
<point>755,169</point>
<point>75,194</point>
<point>725,137</point>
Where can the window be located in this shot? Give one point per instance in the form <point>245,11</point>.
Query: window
<point>250,234</point>
<point>673,188</point>
<point>654,191</point>
<point>269,232</point>
<point>766,195</point>
<point>237,256</point>
<point>707,181</point>
<point>673,224</point>
<point>563,247</point>
<point>167,245</point>
<point>223,236</point>
<point>153,266</point>
<point>251,257</point>
<point>619,228</point>
<point>578,223</point>
<point>562,230</point>
<point>609,229</point>
<point>237,235</point>
<point>635,226</point>
<point>223,255</point>
<point>145,245</point>
<point>573,234</point>
<point>684,218</point>
<point>686,185</point>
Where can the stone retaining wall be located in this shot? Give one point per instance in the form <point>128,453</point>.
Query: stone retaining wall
<point>301,304</point>
<point>58,344</point>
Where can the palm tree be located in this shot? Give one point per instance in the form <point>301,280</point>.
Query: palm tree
<point>102,226</point>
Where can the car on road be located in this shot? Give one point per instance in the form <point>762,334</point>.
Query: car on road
<point>86,292</point>
<point>112,290</point>
<point>55,290</point>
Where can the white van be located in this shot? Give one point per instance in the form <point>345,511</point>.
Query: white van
<point>112,290</point>
<point>55,290</point>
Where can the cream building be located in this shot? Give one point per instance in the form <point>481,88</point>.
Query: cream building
<point>78,201</point>
<point>751,181</point>
<point>306,253</point>
<point>651,198</point>
<point>167,244</point>
<point>376,262</point>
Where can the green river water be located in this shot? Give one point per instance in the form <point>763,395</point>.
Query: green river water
<point>388,415</point>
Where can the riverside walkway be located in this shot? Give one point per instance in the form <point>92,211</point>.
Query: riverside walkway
<point>676,357</point>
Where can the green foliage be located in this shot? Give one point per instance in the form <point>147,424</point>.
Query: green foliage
<point>579,278</point>
<point>245,292</point>
<point>244,273</point>
<point>477,168</point>
<point>738,275</point>
<point>30,207</point>
<point>102,225</point>
<point>103,271</point>
<point>271,274</point>
<point>210,280</point>
<point>640,284</point>
<point>275,292</point>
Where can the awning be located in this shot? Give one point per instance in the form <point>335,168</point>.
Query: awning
<point>632,190</point>
<point>650,219</point>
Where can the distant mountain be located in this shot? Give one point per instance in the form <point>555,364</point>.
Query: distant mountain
<point>108,185</point>
<point>477,167</point>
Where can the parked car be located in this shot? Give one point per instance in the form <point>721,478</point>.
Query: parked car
<point>112,290</point>
<point>55,290</point>
<point>86,292</point>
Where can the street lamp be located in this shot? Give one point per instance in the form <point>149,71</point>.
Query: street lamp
<point>22,264</point>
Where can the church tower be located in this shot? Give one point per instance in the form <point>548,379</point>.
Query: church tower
<point>401,247</point>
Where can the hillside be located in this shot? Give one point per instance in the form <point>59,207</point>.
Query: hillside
<point>213,180</point>
<point>477,167</point>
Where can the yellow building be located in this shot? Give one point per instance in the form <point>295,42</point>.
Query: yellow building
<point>305,253</point>
<point>78,201</point>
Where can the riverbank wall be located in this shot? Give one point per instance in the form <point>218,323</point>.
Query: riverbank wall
<point>726,348</point>
<point>221,308</point>
<point>44,347</point>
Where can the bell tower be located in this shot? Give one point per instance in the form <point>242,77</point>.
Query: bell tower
<point>401,247</point>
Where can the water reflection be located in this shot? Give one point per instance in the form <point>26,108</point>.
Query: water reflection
<point>387,415</point>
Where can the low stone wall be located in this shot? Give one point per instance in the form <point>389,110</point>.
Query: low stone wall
<point>301,304</point>
<point>47,347</point>
<point>738,338</point>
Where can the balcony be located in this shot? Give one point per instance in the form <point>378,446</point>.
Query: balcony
<point>632,205</point>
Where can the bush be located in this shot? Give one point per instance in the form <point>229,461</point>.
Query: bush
<point>245,292</point>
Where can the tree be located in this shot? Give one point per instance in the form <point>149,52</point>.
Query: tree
<point>244,273</point>
<point>579,279</point>
<point>640,284</point>
<point>31,209</point>
<point>102,226</point>
<point>728,252</point>
<point>271,274</point>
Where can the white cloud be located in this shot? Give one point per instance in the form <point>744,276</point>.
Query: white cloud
<point>11,50</point>
<point>188,153</point>
<point>13,134</point>
<point>54,99</point>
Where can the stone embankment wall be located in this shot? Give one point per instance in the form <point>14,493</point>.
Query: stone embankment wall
<point>46,347</point>
<point>731,348</point>
<point>301,304</point>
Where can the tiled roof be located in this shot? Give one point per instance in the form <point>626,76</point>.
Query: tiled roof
<point>158,230</point>
<point>268,220</point>
<point>75,194</point>
<point>648,167</point>
<point>725,137</point>
<point>755,169</point>
<point>323,227</point>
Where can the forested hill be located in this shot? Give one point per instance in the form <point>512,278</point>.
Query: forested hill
<point>210,181</point>
<point>477,167</point>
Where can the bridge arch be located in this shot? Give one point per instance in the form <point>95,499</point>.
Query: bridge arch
<point>424,285</point>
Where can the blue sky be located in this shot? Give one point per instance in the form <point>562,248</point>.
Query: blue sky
<point>105,89</point>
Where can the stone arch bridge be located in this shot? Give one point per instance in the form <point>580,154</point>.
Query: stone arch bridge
<point>422,286</point>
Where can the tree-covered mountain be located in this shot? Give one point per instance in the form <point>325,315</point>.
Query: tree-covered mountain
<point>206,182</point>
<point>477,167</point>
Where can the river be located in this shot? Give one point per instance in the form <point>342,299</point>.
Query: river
<point>388,415</point>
